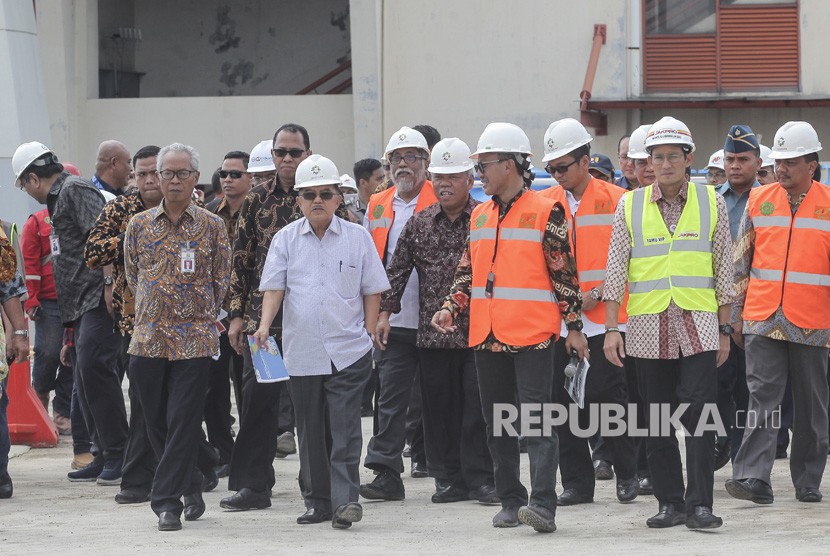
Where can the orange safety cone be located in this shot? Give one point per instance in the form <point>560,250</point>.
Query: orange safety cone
<point>28,421</point>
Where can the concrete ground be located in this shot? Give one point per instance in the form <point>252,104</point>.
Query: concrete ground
<point>49,515</point>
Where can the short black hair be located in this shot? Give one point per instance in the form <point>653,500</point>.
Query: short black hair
<point>813,157</point>
<point>239,155</point>
<point>579,152</point>
<point>431,134</point>
<point>146,152</point>
<point>294,128</point>
<point>363,169</point>
<point>623,138</point>
<point>216,182</point>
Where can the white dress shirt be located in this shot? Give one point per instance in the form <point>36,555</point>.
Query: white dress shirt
<point>324,282</point>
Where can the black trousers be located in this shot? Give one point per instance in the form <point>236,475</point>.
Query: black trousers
<point>692,380</point>
<point>397,366</point>
<point>252,460</point>
<point>172,395</point>
<point>514,378</point>
<point>415,422</point>
<point>605,383</point>
<point>218,400</point>
<point>140,460</point>
<point>455,434</point>
<point>733,396</point>
<point>97,348</point>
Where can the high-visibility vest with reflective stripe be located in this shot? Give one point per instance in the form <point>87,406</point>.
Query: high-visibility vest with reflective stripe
<point>664,266</point>
<point>381,215</point>
<point>523,309</point>
<point>594,222</point>
<point>791,258</point>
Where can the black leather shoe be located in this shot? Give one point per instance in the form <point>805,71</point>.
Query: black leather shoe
<point>194,506</point>
<point>627,489</point>
<point>703,518</point>
<point>780,453</point>
<point>6,487</point>
<point>755,490</point>
<point>646,487</point>
<point>486,494</point>
<point>603,471</point>
<point>722,453</point>
<point>347,514</point>
<point>210,480</point>
<point>168,521</point>
<point>571,497</point>
<point>313,515</point>
<point>386,486</point>
<point>507,517</point>
<point>132,496</point>
<point>452,493</point>
<point>419,470</point>
<point>246,499</point>
<point>805,494</point>
<point>541,519</point>
<point>668,516</point>
<point>407,451</point>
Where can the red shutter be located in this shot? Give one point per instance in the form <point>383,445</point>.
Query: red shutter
<point>680,63</point>
<point>758,47</point>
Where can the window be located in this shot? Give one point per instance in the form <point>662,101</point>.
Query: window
<point>720,45</point>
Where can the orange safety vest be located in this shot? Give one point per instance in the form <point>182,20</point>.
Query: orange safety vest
<point>522,309</point>
<point>594,222</point>
<point>791,259</point>
<point>381,215</point>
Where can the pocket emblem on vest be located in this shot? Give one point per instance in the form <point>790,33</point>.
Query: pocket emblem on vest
<point>603,207</point>
<point>822,213</point>
<point>481,220</point>
<point>527,220</point>
<point>378,212</point>
<point>767,208</point>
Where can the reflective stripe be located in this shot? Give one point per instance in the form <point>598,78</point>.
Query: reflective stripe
<point>641,251</point>
<point>699,282</point>
<point>808,278</point>
<point>692,245</point>
<point>521,234</point>
<point>380,223</point>
<point>771,221</point>
<point>594,220</point>
<point>32,277</point>
<point>516,294</point>
<point>482,233</point>
<point>705,218</point>
<point>648,285</point>
<point>591,275</point>
<point>637,206</point>
<point>812,224</point>
<point>766,274</point>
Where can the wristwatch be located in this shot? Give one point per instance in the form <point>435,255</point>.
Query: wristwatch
<point>594,294</point>
<point>24,333</point>
<point>726,329</point>
<point>107,280</point>
<point>574,325</point>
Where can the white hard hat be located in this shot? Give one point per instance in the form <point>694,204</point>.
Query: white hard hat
<point>716,160</point>
<point>669,131</point>
<point>26,154</point>
<point>316,170</point>
<point>261,159</point>
<point>637,142</point>
<point>794,139</point>
<point>564,136</point>
<point>450,156</point>
<point>500,137</point>
<point>406,137</point>
<point>765,156</point>
<point>346,181</point>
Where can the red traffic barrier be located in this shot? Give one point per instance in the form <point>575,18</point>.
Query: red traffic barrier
<point>28,421</point>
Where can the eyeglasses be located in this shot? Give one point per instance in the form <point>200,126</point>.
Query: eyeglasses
<point>234,174</point>
<point>764,173</point>
<point>561,169</point>
<point>282,153</point>
<point>325,195</point>
<point>395,159</point>
<point>673,158</point>
<point>715,174</point>
<point>181,174</point>
<point>481,166</point>
<point>144,175</point>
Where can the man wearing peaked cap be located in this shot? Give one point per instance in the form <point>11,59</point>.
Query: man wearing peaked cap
<point>601,168</point>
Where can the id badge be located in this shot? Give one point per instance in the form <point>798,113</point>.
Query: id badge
<point>188,258</point>
<point>54,245</point>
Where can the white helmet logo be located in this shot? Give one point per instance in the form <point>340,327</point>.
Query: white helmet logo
<point>781,142</point>
<point>402,137</point>
<point>550,143</point>
<point>446,156</point>
<point>315,170</point>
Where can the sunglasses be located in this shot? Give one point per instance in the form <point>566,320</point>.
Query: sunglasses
<point>764,173</point>
<point>324,195</point>
<point>482,166</point>
<point>234,174</point>
<point>282,153</point>
<point>561,169</point>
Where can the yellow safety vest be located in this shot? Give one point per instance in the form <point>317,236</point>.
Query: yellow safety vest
<point>665,266</point>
